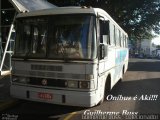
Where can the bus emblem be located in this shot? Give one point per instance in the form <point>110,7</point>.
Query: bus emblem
<point>44,82</point>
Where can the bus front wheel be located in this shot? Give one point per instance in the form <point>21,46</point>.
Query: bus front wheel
<point>106,89</point>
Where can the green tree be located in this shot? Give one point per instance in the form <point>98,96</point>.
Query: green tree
<point>158,46</point>
<point>137,17</point>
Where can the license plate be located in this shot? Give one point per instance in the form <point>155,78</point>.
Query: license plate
<point>46,96</point>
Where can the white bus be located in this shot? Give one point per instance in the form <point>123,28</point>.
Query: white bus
<point>67,55</point>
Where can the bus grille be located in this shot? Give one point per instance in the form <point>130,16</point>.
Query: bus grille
<point>48,82</point>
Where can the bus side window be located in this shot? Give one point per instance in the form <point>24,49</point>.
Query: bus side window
<point>121,39</point>
<point>124,41</point>
<point>112,34</point>
<point>104,38</point>
<point>104,32</point>
<point>117,37</point>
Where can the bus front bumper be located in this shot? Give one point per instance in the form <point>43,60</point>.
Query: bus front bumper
<point>62,97</point>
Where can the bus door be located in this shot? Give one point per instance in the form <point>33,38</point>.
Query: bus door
<point>103,36</point>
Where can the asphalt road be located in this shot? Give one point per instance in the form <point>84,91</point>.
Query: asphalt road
<point>138,93</point>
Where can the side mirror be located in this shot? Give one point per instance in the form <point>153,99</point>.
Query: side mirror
<point>102,51</point>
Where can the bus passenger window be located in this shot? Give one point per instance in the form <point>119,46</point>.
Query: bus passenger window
<point>112,39</point>
<point>123,40</point>
<point>117,38</point>
<point>104,32</point>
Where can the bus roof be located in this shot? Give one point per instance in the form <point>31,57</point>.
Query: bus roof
<point>58,10</point>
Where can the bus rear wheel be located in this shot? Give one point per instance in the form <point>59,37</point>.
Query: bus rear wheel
<point>122,74</point>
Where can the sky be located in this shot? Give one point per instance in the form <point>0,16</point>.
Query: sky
<point>156,40</point>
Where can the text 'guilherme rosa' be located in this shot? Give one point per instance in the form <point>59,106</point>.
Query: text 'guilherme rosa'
<point>136,97</point>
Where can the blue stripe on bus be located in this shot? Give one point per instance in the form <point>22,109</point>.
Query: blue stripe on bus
<point>121,55</point>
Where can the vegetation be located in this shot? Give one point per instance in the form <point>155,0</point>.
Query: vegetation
<point>158,46</point>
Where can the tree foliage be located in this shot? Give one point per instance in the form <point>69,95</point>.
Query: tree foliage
<point>158,46</point>
<point>137,17</point>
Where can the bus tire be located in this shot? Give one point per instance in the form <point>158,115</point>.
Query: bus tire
<point>122,74</point>
<point>106,89</point>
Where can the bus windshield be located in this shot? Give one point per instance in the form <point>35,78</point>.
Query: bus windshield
<point>56,37</point>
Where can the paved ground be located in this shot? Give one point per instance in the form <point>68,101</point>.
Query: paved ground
<point>5,99</point>
<point>4,88</point>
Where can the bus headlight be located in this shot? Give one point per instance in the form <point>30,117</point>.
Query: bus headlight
<point>72,84</point>
<point>80,84</point>
<point>84,84</point>
<point>23,80</point>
